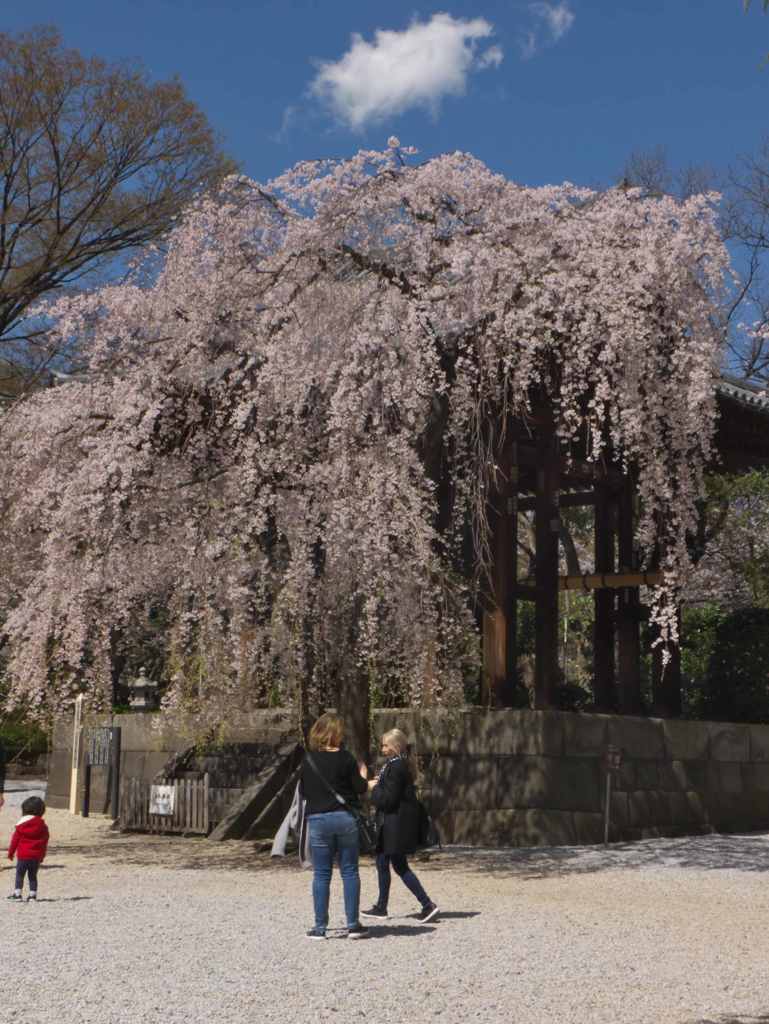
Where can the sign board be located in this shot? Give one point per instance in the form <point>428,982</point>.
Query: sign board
<point>613,758</point>
<point>99,746</point>
<point>162,800</point>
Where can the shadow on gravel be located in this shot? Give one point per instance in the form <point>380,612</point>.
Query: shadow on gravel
<point>733,1020</point>
<point>448,915</point>
<point>739,852</point>
<point>386,931</point>
<point>62,899</point>
<point>178,853</point>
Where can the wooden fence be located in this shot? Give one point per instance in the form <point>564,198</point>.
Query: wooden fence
<point>191,807</point>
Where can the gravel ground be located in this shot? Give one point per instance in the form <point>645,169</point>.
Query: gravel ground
<point>154,930</point>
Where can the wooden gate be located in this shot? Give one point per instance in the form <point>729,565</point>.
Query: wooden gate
<point>191,806</point>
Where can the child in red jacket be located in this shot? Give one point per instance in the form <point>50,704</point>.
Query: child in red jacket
<point>29,841</point>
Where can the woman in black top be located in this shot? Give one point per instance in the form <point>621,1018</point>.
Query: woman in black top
<point>395,799</point>
<point>333,829</point>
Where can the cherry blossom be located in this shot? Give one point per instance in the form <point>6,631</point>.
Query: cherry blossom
<point>290,417</point>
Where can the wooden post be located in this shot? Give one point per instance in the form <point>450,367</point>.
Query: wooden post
<point>547,525</point>
<point>628,612</point>
<point>76,736</point>
<point>499,617</point>
<point>603,604</point>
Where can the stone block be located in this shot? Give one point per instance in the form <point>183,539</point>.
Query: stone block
<point>647,775</point>
<point>541,828</point>
<point>737,812</point>
<point>690,775</point>
<point>440,732</point>
<point>585,735</point>
<point>588,828</point>
<point>384,719</point>
<point>564,784</point>
<point>132,764</point>
<point>620,811</point>
<point>697,808</point>
<point>729,742</point>
<point>640,811</point>
<point>759,742</point>
<point>680,812</point>
<point>638,738</point>
<point>661,812</point>
<point>462,783</point>
<point>529,732</point>
<point>724,778</point>
<point>755,777</point>
<point>625,779</point>
<point>669,778</point>
<point>685,741</point>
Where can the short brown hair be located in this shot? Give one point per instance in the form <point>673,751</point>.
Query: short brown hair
<point>328,731</point>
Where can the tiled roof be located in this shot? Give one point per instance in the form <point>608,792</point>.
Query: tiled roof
<point>750,395</point>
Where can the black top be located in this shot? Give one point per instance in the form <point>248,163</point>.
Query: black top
<point>339,768</point>
<point>395,799</point>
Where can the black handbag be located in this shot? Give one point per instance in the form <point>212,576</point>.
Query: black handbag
<point>368,833</point>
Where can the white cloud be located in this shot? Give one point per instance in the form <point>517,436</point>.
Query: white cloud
<point>491,58</point>
<point>401,70</point>
<point>557,18</point>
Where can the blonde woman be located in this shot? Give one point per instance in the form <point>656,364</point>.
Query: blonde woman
<point>328,773</point>
<point>394,796</point>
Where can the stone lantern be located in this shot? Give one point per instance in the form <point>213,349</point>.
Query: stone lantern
<point>143,692</point>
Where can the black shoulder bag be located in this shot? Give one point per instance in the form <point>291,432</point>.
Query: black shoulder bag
<point>367,829</point>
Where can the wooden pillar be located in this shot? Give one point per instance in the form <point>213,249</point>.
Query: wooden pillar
<point>499,618</point>
<point>666,685</point>
<point>628,612</point>
<point>603,603</point>
<point>547,525</point>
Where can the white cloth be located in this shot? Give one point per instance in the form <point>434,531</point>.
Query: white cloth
<point>296,822</point>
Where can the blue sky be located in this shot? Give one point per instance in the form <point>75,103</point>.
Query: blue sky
<point>542,92</point>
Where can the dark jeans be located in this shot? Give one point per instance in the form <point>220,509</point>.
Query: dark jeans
<point>27,867</point>
<point>401,868</point>
<point>334,835</point>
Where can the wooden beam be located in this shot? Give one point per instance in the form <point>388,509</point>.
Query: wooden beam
<point>499,617</point>
<point>574,500</point>
<point>628,618</point>
<point>546,527</point>
<point>603,603</point>
<point>570,469</point>
<point>610,580</point>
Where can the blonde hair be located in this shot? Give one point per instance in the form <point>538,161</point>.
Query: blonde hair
<point>397,740</point>
<point>328,731</point>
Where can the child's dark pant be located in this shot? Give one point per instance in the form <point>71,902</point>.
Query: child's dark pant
<point>27,867</point>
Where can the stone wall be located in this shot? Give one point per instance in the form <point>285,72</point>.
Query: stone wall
<point>147,743</point>
<point>519,778</point>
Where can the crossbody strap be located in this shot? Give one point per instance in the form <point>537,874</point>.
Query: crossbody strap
<point>323,779</point>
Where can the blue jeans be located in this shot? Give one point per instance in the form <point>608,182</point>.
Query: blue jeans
<point>332,835</point>
<point>24,867</point>
<point>401,868</point>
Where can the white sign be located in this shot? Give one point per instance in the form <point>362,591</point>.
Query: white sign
<point>162,799</point>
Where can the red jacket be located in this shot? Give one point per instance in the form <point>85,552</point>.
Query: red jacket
<point>30,838</point>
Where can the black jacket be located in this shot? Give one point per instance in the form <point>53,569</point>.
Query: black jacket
<point>340,770</point>
<point>395,799</point>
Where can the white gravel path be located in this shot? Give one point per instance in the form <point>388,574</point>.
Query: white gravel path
<point>152,930</point>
